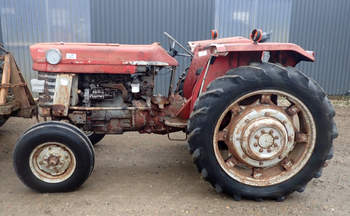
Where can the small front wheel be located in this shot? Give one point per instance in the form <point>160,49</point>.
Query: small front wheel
<point>53,157</point>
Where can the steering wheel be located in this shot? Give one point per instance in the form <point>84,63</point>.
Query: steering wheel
<point>172,44</point>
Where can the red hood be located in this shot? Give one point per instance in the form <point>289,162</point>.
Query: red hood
<point>99,57</point>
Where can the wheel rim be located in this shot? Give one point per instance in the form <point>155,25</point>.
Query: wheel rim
<point>52,162</point>
<point>264,138</point>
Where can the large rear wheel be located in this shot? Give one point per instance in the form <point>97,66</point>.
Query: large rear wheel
<point>261,132</point>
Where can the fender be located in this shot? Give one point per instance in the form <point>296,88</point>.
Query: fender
<point>289,50</point>
<point>223,57</point>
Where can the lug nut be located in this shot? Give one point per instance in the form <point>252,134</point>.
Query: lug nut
<point>256,137</point>
<point>255,144</point>
<point>268,150</point>
<point>261,150</point>
<point>263,131</point>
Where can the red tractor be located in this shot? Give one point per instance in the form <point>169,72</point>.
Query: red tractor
<point>257,127</point>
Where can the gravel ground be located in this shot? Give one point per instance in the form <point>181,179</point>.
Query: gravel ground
<point>150,175</point>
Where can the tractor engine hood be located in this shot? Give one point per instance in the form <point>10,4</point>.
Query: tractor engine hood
<point>97,57</point>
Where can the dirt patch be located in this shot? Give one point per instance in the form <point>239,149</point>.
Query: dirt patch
<point>150,175</point>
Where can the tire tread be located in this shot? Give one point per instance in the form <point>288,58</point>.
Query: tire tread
<point>234,79</point>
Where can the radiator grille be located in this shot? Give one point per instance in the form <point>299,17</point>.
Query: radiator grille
<point>46,98</point>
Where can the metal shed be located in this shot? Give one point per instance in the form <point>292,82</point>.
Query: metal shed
<point>319,25</point>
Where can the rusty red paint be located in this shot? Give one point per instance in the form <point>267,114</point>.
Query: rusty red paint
<point>99,58</point>
<point>58,109</point>
<point>231,53</point>
<point>259,47</point>
<point>196,67</point>
<point>44,111</point>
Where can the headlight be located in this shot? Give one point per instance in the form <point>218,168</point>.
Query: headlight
<point>53,56</point>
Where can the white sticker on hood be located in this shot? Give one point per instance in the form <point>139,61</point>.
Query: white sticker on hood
<point>202,53</point>
<point>71,56</point>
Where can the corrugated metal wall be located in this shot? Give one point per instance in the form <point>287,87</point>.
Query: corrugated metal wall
<point>319,25</point>
<point>240,17</point>
<point>139,22</point>
<point>1,41</point>
<point>26,22</point>
<point>323,26</point>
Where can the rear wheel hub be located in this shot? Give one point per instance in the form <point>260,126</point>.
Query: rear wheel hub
<point>262,136</point>
<point>269,135</point>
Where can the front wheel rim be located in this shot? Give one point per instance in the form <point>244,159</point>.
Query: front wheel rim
<point>264,138</point>
<point>52,162</point>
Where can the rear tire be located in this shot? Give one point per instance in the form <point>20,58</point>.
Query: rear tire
<point>225,91</point>
<point>53,157</point>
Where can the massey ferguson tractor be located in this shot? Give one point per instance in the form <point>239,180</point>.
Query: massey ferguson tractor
<point>257,127</point>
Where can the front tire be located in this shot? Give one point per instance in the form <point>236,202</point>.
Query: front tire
<point>53,157</point>
<point>273,148</point>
